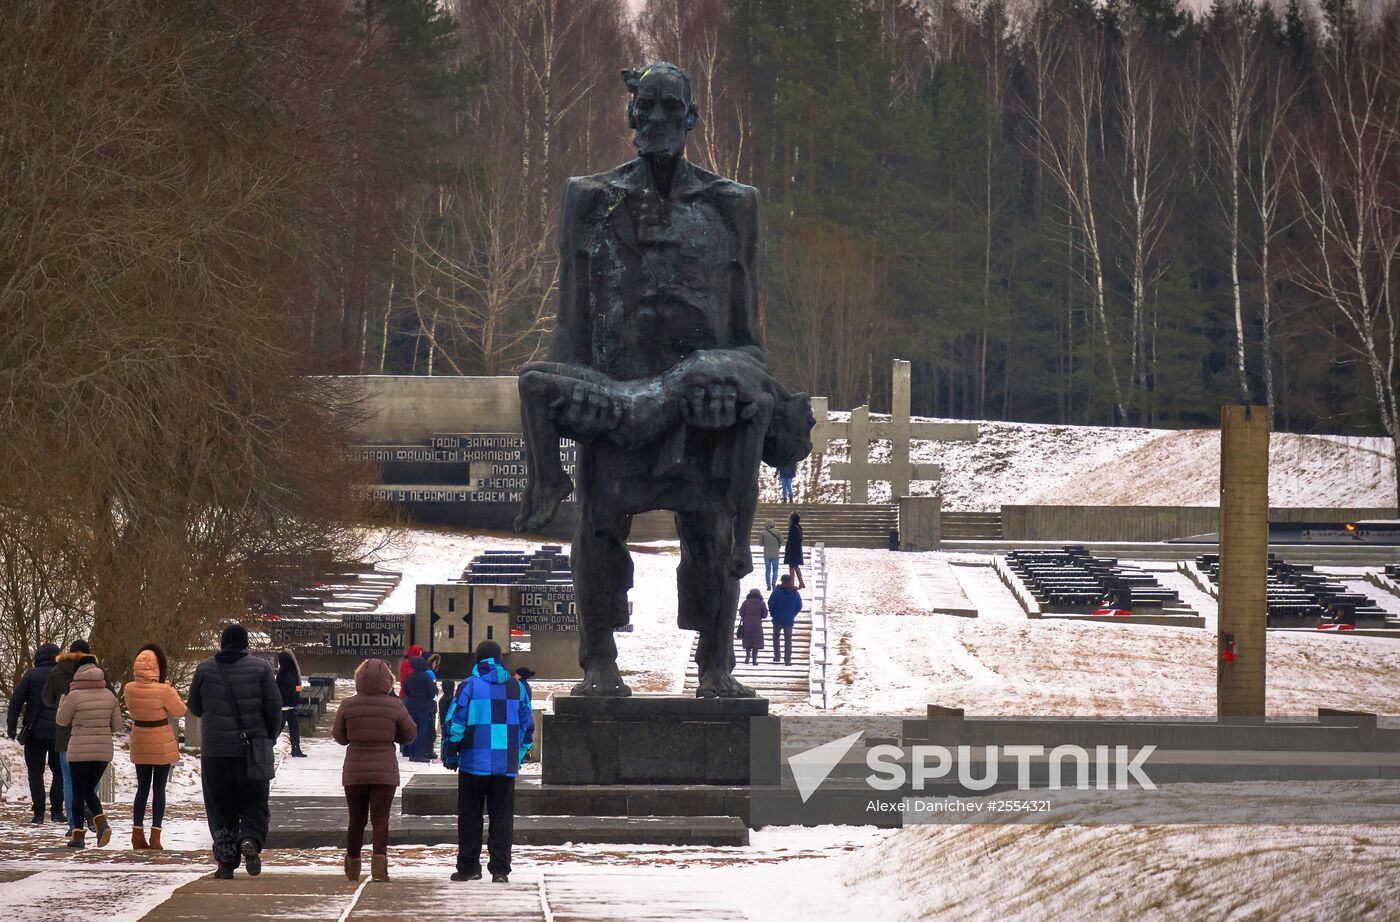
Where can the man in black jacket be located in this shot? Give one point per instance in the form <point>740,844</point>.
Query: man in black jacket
<point>234,694</point>
<point>39,734</point>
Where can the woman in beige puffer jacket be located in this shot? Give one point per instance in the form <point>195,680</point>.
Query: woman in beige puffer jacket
<point>151,701</point>
<point>90,710</point>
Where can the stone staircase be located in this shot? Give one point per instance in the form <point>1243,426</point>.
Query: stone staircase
<point>971,526</point>
<point>777,682</point>
<point>834,524</point>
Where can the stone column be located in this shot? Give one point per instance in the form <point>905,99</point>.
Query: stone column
<point>1244,548</point>
<point>860,455</point>
<point>899,431</point>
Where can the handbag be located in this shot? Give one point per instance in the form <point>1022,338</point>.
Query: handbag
<point>262,766</point>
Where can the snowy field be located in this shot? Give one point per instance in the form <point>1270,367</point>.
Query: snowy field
<point>893,656</point>
<point>1098,465</point>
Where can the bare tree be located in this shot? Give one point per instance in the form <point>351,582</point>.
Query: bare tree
<point>1348,184</point>
<point>1068,145</point>
<point>1235,41</point>
<point>472,275</point>
<point>1146,179</point>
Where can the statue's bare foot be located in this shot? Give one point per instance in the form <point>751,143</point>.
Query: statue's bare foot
<point>717,683</point>
<point>541,502</point>
<point>602,682</point>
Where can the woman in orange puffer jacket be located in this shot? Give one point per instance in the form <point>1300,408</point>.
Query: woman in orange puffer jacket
<point>151,701</point>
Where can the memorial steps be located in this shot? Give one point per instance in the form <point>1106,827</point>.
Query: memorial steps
<point>834,524</point>
<point>778,683</point>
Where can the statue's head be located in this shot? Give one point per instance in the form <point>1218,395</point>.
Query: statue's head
<point>660,109</point>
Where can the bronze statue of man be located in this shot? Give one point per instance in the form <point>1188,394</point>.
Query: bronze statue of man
<point>657,371</point>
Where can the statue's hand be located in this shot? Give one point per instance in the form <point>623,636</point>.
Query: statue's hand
<point>710,406</point>
<point>587,410</point>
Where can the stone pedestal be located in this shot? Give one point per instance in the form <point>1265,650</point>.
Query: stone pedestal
<point>650,739</point>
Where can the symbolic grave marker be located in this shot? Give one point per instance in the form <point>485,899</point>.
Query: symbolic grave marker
<point>899,429</point>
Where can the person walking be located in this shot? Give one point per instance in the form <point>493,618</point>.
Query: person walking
<point>489,730</point>
<point>370,723</point>
<point>31,721</point>
<point>772,552</point>
<point>783,606</point>
<point>90,712</point>
<point>420,696</point>
<point>786,473</point>
<point>449,691</point>
<point>405,668</point>
<point>792,552</point>
<point>289,687</point>
<point>751,615</point>
<point>56,686</point>
<point>235,697</point>
<point>151,701</point>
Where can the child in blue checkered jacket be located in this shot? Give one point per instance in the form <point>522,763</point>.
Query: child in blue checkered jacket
<point>489,729</point>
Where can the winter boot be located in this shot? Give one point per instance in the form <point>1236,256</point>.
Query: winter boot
<point>38,819</point>
<point>138,839</point>
<point>104,831</point>
<point>352,866</point>
<point>379,867</point>
<point>76,837</point>
<point>224,872</point>
<point>155,845</point>
<point>252,861</point>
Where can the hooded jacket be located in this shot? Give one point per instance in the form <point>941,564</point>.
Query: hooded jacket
<point>491,720</point>
<point>772,543</point>
<point>66,666</point>
<point>151,701</point>
<point>419,689</point>
<point>783,606</point>
<point>406,666</point>
<point>90,711</point>
<point>288,680</point>
<point>371,722</point>
<point>249,699</point>
<point>751,615</point>
<point>28,698</point>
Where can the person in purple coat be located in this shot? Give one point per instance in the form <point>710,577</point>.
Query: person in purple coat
<point>751,615</point>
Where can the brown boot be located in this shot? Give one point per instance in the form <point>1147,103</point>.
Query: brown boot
<point>138,838</point>
<point>155,845</point>
<point>104,830</point>
<point>352,866</point>
<point>379,866</point>
<point>76,838</point>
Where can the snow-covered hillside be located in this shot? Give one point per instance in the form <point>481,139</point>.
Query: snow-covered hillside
<point>1052,464</point>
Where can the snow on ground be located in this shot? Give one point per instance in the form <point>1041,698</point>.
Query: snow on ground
<point>894,659</point>
<point>1090,465</point>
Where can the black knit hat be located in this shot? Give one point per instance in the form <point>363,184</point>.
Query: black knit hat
<point>488,649</point>
<point>79,646</point>
<point>234,637</point>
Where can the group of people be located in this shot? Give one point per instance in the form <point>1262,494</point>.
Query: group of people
<point>787,548</point>
<point>66,711</point>
<point>487,728</point>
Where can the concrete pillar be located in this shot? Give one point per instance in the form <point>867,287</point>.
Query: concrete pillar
<point>899,431</point>
<point>860,455</point>
<point>920,523</point>
<point>1244,549</point>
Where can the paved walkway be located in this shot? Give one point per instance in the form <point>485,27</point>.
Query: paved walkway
<point>320,895</point>
<point>940,584</point>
